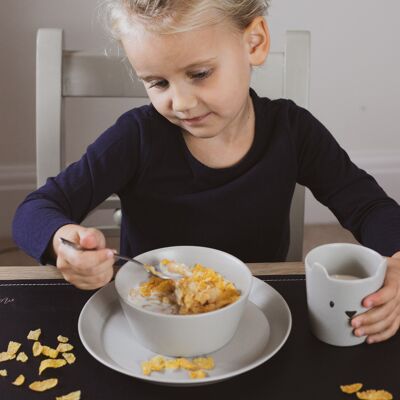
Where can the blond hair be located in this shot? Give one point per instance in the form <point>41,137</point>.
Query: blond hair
<point>173,16</point>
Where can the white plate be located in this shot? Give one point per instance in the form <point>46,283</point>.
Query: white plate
<point>262,331</point>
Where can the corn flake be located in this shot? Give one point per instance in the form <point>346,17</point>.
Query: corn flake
<point>34,335</point>
<point>3,372</point>
<point>349,389</point>
<point>37,349</point>
<point>19,380</point>
<point>41,386</point>
<point>199,374</point>
<point>172,364</point>
<point>70,396</point>
<point>157,363</point>
<point>204,362</point>
<point>4,356</point>
<point>69,357</point>
<point>63,339</point>
<point>13,347</point>
<point>51,363</point>
<point>374,395</point>
<point>187,364</point>
<point>195,367</point>
<point>64,347</point>
<point>22,357</point>
<point>49,352</point>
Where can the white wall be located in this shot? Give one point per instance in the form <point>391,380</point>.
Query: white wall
<point>355,84</point>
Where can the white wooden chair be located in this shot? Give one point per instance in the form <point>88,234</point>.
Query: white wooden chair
<point>61,74</point>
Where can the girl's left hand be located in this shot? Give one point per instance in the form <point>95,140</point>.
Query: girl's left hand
<point>382,321</point>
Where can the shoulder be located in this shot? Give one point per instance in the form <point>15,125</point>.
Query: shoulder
<point>284,110</point>
<point>133,126</point>
<point>139,119</point>
<point>286,115</point>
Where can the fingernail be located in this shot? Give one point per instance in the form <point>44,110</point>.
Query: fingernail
<point>370,341</point>
<point>110,254</point>
<point>368,303</point>
<point>360,332</point>
<point>356,323</point>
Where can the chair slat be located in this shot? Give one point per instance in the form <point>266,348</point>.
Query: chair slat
<point>97,75</point>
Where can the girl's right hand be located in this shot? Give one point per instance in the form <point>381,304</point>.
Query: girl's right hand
<point>84,269</point>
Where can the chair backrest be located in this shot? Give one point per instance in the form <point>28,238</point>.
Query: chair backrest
<point>61,73</point>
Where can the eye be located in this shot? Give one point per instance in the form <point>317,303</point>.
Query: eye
<point>161,84</point>
<point>332,304</point>
<point>200,75</point>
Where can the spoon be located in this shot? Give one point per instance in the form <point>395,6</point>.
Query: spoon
<point>154,270</point>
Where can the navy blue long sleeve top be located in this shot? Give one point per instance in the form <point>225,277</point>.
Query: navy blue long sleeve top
<point>170,198</point>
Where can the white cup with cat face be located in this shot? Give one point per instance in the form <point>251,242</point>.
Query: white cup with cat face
<point>338,277</point>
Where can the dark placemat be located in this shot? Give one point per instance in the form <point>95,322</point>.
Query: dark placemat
<point>304,368</point>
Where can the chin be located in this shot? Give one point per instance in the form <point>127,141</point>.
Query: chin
<point>200,135</point>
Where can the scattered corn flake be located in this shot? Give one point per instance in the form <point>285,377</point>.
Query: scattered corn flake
<point>172,363</point>
<point>374,395</point>
<point>354,387</point>
<point>22,357</point>
<point>197,365</point>
<point>37,349</point>
<point>34,335</point>
<point>70,396</point>
<point>13,347</point>
<point>199,374</point>
<point>156,363</point>
<point>69,357</point>
<point>41,386</point>
<point>204,362</point>
<point>51,363</point>
<point>19,380</point>
<point>62,339</point>
<point>187,364</point>
<point>146,367</point>
<point>49,352</point>
<point>4,356</point>
<point>3,372</point>
<point>64,347</point>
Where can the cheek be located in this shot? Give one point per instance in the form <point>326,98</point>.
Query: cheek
<point>159,102</point>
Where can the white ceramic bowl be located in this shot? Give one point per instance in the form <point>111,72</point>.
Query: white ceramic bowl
<point>184,335</point>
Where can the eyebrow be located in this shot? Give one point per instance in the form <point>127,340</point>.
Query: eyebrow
<point>149,78</point>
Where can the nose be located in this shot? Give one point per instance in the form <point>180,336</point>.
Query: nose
<point>183,100</point>
<point>350,313</point>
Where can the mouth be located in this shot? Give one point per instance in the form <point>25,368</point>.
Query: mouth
<point>195,120</point>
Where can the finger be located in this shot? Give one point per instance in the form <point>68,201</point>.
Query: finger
<point>395,256</point>
<point>377,320</point>
<point>90,238</point>
<point>381,297</point>
<point>386,334</point>
<point>85,263</point>
<point>374,315</point>
<point>92,282</point>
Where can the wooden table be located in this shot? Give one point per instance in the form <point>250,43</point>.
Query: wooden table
<point>49,272</point>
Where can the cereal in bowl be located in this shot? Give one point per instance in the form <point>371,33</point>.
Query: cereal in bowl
<point>200,290</point>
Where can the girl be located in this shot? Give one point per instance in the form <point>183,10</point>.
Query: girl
<point>208,163</point>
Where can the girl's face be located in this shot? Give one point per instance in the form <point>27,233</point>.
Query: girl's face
<point>198,80</point>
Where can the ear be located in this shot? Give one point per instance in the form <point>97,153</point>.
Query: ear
<point>257,38</point>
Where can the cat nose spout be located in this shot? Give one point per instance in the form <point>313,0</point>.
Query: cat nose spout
<point>350,313</point>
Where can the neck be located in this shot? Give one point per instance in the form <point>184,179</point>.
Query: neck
<point>229,147</point>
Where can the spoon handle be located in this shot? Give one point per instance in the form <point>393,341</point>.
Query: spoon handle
<point>116,255</point>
